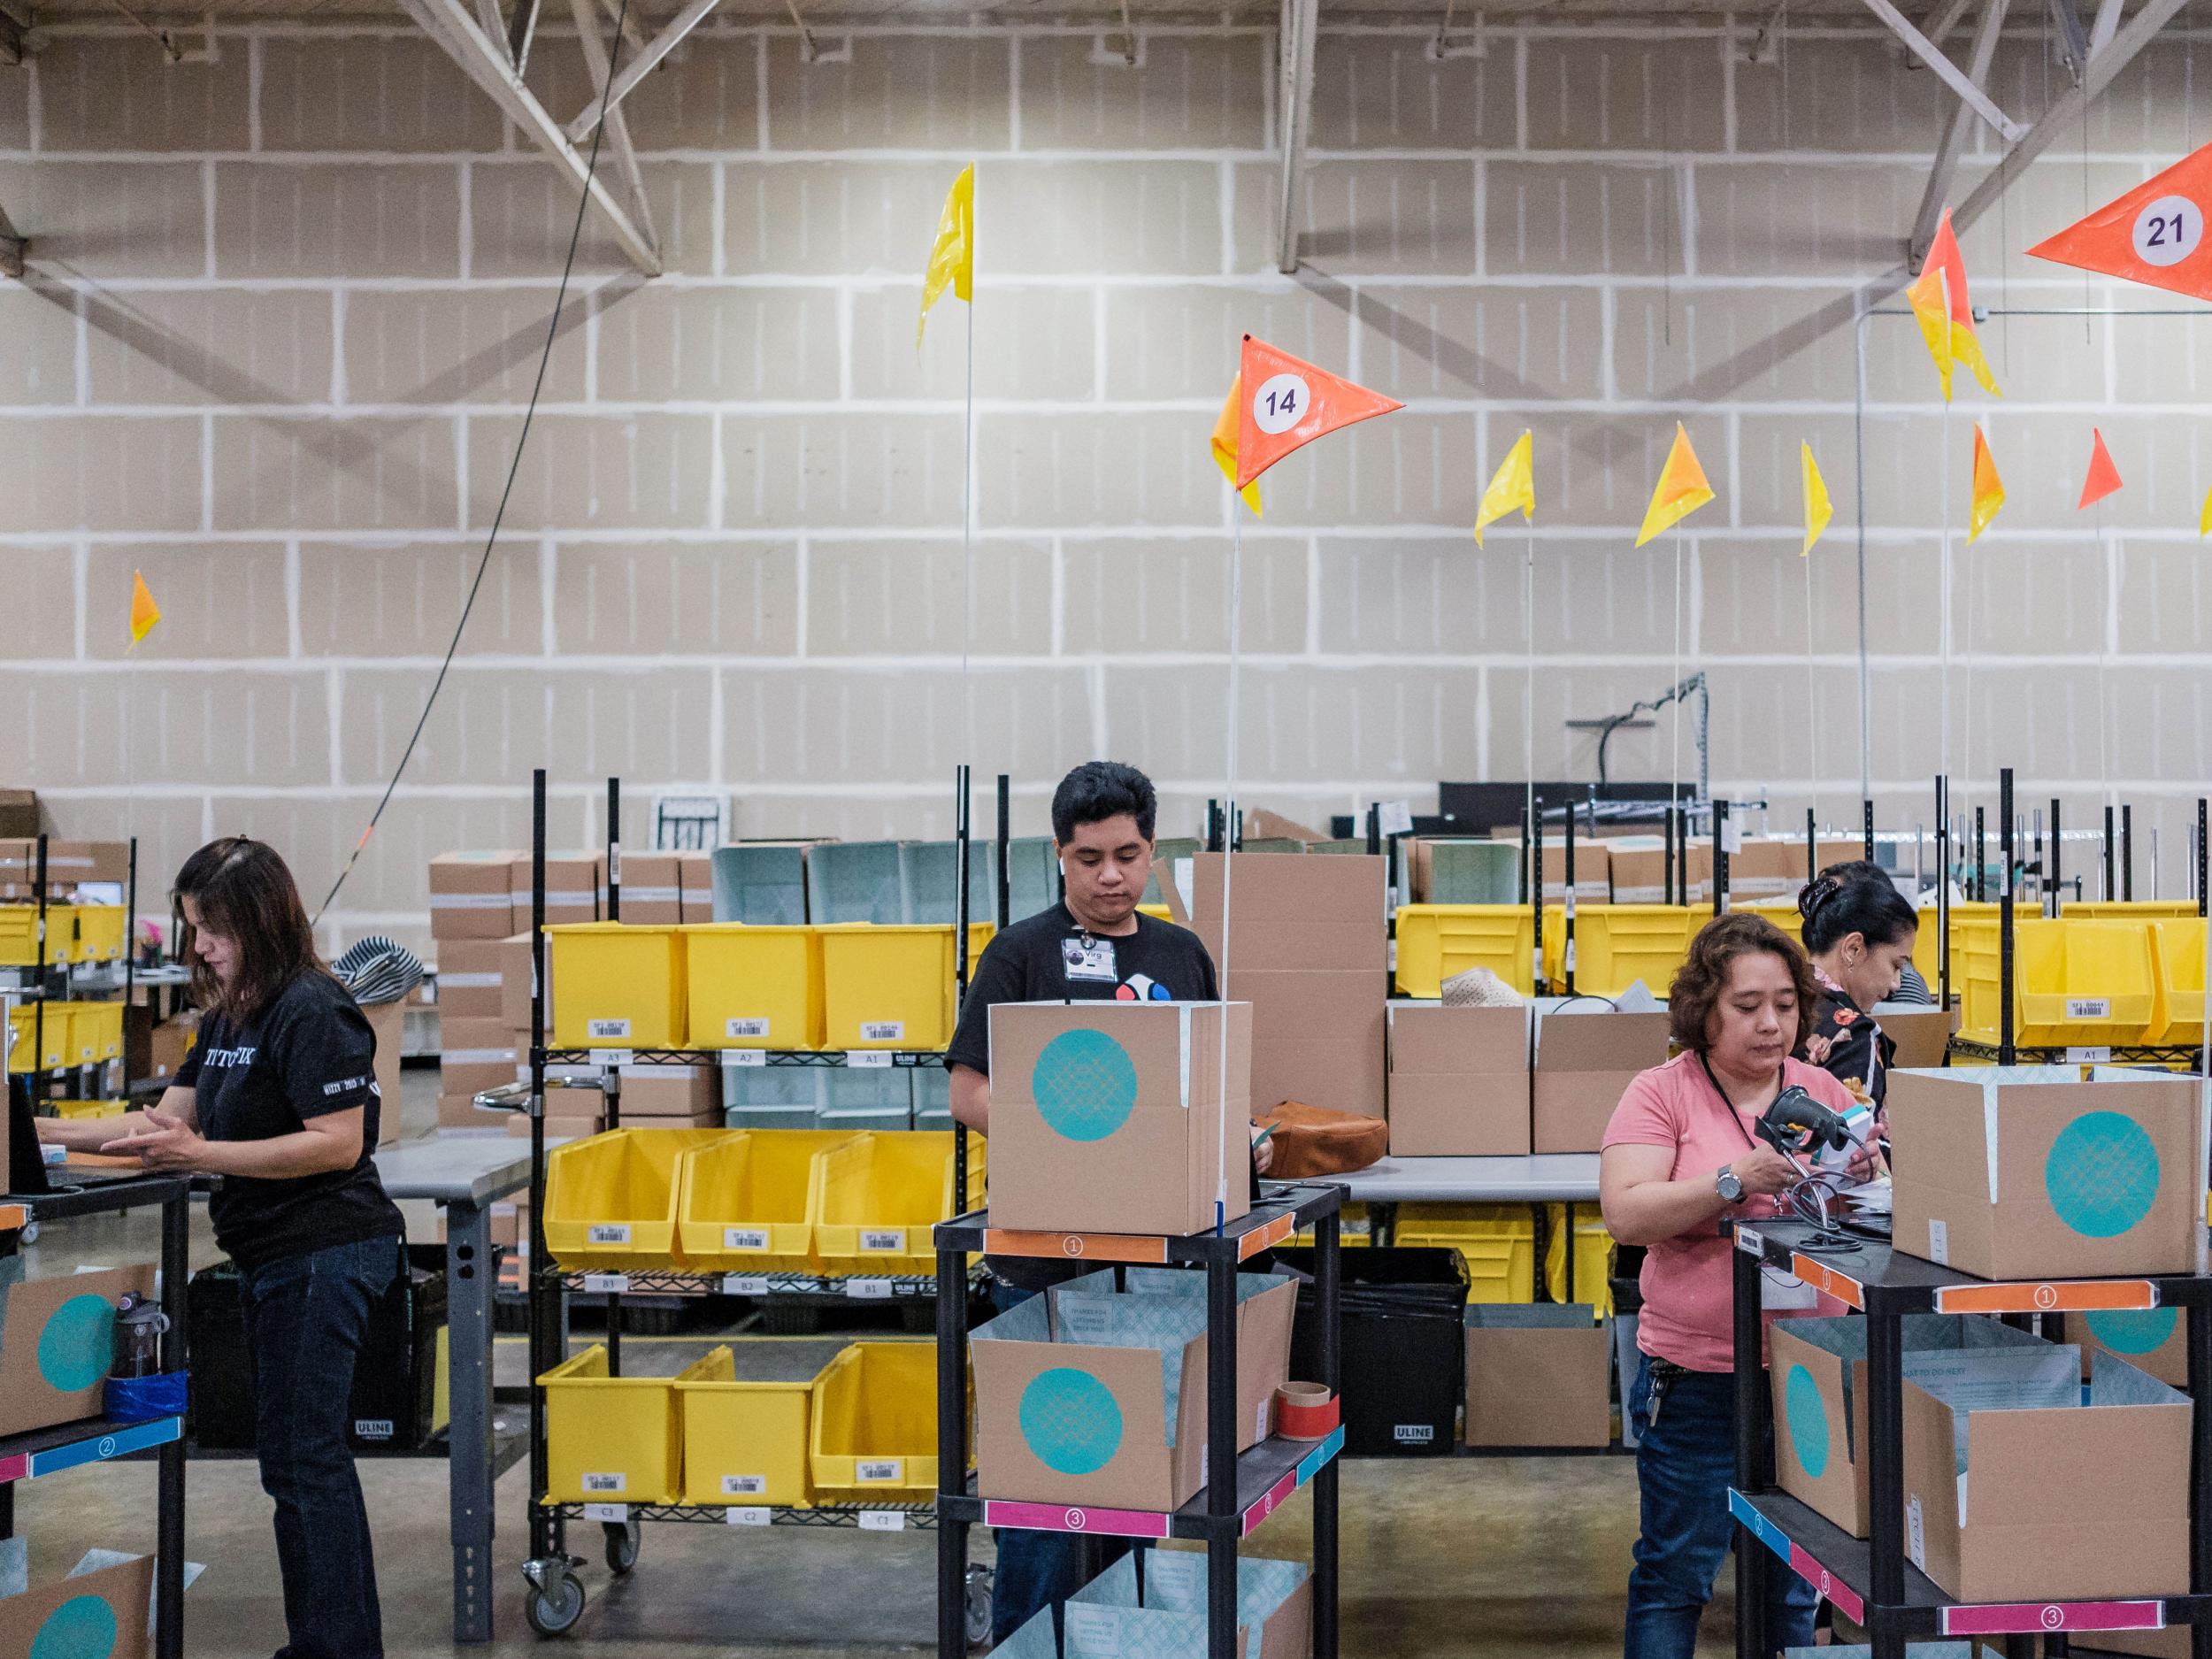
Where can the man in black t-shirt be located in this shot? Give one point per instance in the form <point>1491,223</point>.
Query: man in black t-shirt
<point>1093,946</point>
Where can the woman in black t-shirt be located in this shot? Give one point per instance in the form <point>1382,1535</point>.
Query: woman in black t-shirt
<point>1859,932</point>
<point>279,1099</point>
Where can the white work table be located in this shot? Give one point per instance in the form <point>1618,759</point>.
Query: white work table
<point>1555,1178</point>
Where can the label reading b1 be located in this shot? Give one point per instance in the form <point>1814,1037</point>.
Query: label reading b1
<point>883,1031</point>
<point>611,1233</point>
<point>744,1238</point>
<point>605,1483</point>
<point>745,1029</point>
<point>744,1485</point>
<point>868,1289</point>
<point>607,1030</point>
<point>888,1468</point>
<point>891,1240</point>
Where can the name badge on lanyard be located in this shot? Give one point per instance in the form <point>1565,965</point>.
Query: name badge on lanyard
<point>1088,958</point>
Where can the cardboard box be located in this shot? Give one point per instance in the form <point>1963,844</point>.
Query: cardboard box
<point>1922,1034</point>
<point>1639,866</point>
<point>19,812</point>
<point>1818,1372</point>
<point>652,889</point>
<point>169,1042</point>
<point>472,894</point>
<point>477,1053</point>
<point>1584,1062</point>
<point>33,1621</point>
<point>575,889</point>
<point>388,1021</point>
<point>1109,1116</point>
<point>694,876</point>
<point>514,984</point>
<point>672,1091</point>
<point>2060,1500</point>
<point>507,1223</point>
<point>2153,1340</point>
<point>1459,1081</point>
<point>1294,911</point>
<point>1317,1037</point>
<point>1539,1374</point>
<point>1107,1616</point>
<point>68,862</point>
<point>475,977</point>
<point>110,863</point>
<point>1769,867</point>
<point>56,1337</point>
<point>1089,1397</point>
<point>2025,1173</point>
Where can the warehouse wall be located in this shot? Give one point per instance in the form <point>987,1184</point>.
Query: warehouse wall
<point>287,303</point>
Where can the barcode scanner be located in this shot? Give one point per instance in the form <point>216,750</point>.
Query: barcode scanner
<point>1798,1123</point>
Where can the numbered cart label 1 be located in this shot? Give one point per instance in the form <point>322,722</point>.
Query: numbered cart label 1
<point>2088,1008</point>
<point>613,1483</point>
<point>607,1030</point>
<point>744,1485</point>
<point>883,1521</point>
<point>748,1518</point>
<point>891,1241</point>
<point>867,1058</point>
<point>744,1238</point>
<point>883,1031</point>
<point>744,1056</point>
<point>746,1028</point>
<point>868,1289</point>
<point>881,1471</point>
<point>617,1513</point>
<point>743,1284</point>
<point>607,1283</point>
<point>610,1232</point>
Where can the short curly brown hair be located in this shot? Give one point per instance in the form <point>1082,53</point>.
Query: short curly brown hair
<point>1703,976</point>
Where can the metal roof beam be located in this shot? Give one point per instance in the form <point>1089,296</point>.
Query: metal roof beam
<point>1931,200</point>
<point>1953,76</point>
<point>1300,18</point>
<point>618,134</point>
<point>647,60</point>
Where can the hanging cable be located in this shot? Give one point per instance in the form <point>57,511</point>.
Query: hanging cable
<point>552,333</point>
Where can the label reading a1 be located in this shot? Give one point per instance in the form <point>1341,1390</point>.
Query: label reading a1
<point>865,1059</point>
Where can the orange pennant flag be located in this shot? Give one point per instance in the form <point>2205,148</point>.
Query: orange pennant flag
<point>1965,344</point>
<point>1288,403</point>
<point>2104,478</point>
<point>1989,489</point>
<point>1681,489</point>
<point>145,611</point>
<point>2154,235</point>
<point>1224,446</point>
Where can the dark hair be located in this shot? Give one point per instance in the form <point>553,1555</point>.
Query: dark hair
<point>1101,789</point>
<point>1703,976</point>
<point>244,891</point>
<point>1851,898</point>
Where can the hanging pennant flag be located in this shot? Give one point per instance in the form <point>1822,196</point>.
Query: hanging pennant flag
<point>1944,312</point>
<point>1286,403</point>
<point>2154,235</point>
<point>1513,485</point>
<point>2204,518</point>
<point>145,611</point>
<point>1819,508</point>
<point>1932,312</point>
<point>1224,446</point>
<point>2104,478</point>
<point>952,256</point>
<point>1989,489</point>
<point>1681,489</point>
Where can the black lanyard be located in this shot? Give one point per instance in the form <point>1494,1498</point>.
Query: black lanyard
<point>1728,1105</point>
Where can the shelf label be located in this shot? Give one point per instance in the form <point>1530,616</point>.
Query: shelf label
<point>868,1059</point>
<point>2089,1007</point>
<point>607,1283</point>
<point>743,1058</point>
<point>890,1239</point>
<point>2088,1056</point>
<point>1822,1276</point>
<point>748,1518</point>
<point>744,1238</point>
<point>883,1031</point>
<point>615,1059</point>
<point>616,1512</point>
<point>605,1483</point>
<point>743,1284</point>
<point>744,1485</point>
<point>2018,1618</point>
<point>745,1029</point>
<point>610,1232</point>
<point>879,1470</point>
<point>607,1030</point>
<point>1047,1518</point>
<point>868,1289</point>
<point>1751,1241</point>
<point>2090,1295</point>
<point>883,1520</point>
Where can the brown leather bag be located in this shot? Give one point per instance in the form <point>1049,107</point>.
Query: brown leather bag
<point>1309,1142</point>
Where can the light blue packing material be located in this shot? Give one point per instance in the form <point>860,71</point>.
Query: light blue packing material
<point>1913,1651</point>
<point>1175,1582</point>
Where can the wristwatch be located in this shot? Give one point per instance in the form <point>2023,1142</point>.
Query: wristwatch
<point>1728,1187</point>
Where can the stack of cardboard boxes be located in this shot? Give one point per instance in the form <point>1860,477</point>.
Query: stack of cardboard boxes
<point>69,865</point>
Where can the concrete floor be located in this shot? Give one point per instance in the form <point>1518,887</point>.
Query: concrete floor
<point>1457,1558</point>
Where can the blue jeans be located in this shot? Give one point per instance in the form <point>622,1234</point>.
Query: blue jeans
<point>305,1319</point>
<point>1684,1469</point>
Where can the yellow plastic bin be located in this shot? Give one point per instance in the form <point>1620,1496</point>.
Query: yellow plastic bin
<point>613,1439</point>
<point>2177,953</point>
<point>19,935</point>
<point>1783,913</point>
<point>611,1199</point>
<point>1438,941</point>
<point>57,1031</point>
<point>1594,1258</point>
<point>90,1108</point>
<point>1497,1240</point>
<point>2074,983</point>
<point>2132,910</point>
<point>86,933</point>
<point>1926,943</point>
<point>743,1202</point>
<point>1615,945</point>
<point>873,1438</point>
<point>890,987</point>
<point>753,987</point>
<point>615,985</point>
<point>95,1032</point>
<point>745,1443</point>
<point>875,1198</point>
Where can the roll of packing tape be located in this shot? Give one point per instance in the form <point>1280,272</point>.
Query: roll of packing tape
<point>1304,1412</point>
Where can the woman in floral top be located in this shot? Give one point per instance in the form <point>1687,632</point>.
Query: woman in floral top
<point>1859,932</point>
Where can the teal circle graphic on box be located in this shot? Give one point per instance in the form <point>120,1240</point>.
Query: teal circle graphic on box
<point>1809,1420</point>
<point>1085,1085</point>
<point>2140,1331</point>
<point>1069,1419</point>
<point>83,1627</point>
<point>78,1345</point>
<point>2101,1174</point>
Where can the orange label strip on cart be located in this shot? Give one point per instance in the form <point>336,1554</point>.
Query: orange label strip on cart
<point>1266,1238</point>
<point>1824,1278</point>
<point>1075,1247</point>
<point>2091,1295</point>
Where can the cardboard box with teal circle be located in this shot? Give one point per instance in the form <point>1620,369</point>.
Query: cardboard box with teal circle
<point>2050,1171</point>
<point>1120,1117</point>
<point>58,1342</point>
<point>1096,1397</point>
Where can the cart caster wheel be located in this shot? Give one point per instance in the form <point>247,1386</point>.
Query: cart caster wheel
<point>554,1612</point>
<point>622,1543</point>
<point>979,1608</point>
<point>29,1233</point>
<point>786,1318</point>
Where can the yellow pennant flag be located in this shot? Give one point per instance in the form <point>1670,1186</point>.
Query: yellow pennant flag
<point>1512,486</point>
<point>2204,518</point>
<point>1681,489</point>
<point>1989,489</point>
<point>952,256</point>
<point>1932,311</point>
<point>1819,508</point>
<point>1944,312</point>
<point>145,611</point>
<point>1223,443</point>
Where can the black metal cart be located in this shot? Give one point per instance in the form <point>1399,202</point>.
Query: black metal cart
<point>1240,1492</point>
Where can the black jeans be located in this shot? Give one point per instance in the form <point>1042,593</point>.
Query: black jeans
<point>305,1319</point>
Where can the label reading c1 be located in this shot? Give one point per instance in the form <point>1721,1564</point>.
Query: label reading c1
<point>882,1521</point>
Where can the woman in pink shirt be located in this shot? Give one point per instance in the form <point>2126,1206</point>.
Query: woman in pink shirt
<point>1677,1157</point>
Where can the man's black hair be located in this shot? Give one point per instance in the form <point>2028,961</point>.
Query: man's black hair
<point>1101,789</point>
